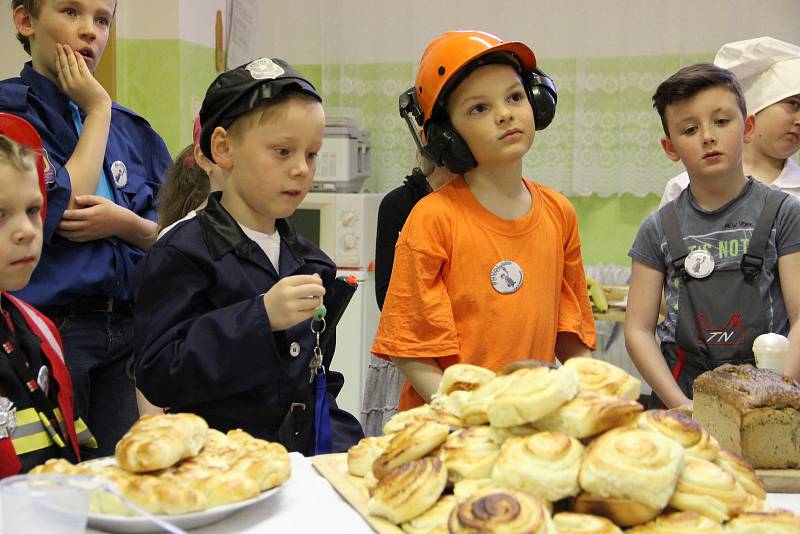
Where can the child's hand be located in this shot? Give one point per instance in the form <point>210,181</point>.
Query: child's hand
<point>77,81</point>
<point>293,300</point>
<point>95,218</point>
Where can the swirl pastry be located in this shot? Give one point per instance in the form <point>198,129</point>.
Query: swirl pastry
<point>743,471</point>
<point>589,414</point>
<point>682,522</point>
<point>533,393</point>
<point>453,402</point>
<point>572,523</point>
<point>501,512</point>
<point>427,412</point>
<point>500,435</point>
<point>775,522</point>
<point>464,488</point>
<point>474,411</point>
<point>469,453</point>
<point>463,377</point>
<point>622,512</point>
<point>434,520</point>
<point>413,442</point>
<point>706,488</point>
<point>361,456</point>
<point>695,440</point>
<point>602,377</point>
<point>544,464</point>
<point>160,441</point>
<point>632,463</point>
<point>408,490</point>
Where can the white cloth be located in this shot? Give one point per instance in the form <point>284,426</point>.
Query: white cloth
<point>269,243</point>
<point>787,181</point>
<point>767,69</point>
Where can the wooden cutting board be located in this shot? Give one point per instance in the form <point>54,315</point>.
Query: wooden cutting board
<point>780,480</point>
<point>352,489</point>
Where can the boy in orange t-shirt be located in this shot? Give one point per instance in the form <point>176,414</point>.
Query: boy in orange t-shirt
<point>488,268</point>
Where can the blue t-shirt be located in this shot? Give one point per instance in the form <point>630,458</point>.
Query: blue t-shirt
<point>135,161</point>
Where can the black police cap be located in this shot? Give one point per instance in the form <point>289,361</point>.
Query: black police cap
<point>237,91</point>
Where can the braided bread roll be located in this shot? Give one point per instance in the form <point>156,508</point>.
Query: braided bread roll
<point>695,440</point>
<point>469,453</point>
<point>602,377</point>
<point>680,522</point>
<point>706,488</point>
<point>501,512</point>
<point>534,393</point>
<point>408,490</point>
<point>572,523</point>
<point>413,442</point>
<point>743,471</point>
<point>589,414</point>
<point>775,522</point>
<point>545,464</point>
<point>160,441</point>
<point>635,464</point>
<point>463,377</point>
<point>434,520</point>
<point>427,412</point>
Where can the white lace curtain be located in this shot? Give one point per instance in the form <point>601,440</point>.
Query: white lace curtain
<point>606,58</point>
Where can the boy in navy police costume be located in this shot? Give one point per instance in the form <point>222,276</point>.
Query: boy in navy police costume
<point>224,299</point>
<point>103,167</point>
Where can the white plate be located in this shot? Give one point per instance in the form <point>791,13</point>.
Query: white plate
<point>134,524</point>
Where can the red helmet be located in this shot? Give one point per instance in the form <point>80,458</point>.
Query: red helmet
<point>19,130</point>
<point>448,54</point>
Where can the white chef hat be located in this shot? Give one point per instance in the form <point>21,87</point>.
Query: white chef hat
<point>767,69</point>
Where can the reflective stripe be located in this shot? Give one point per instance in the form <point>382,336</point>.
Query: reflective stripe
<point>35,432</point>
<point>85,438</point>
<point>51,431</point>
<point>26,417</point>
<point>40,440</point>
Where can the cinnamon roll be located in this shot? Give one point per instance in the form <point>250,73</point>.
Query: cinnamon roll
<point>434,520</point>
<point>361,456</point>
<point>545,464</point>
<point>412,442</point>
<point>427,412</point>
<point>572,523</point>
<point>534,392</point>
<point>469,453</point>
<point>602,377</point>
<point>743,471</point>
<point>683,429</point>
<point>775,522</point>
<point>408,490</point>
<point>706,488</point>
<point>463,377</point>
<point>501,511</point>
<point>680,522</point>
<point>635,464</point>
<point>589,414</point>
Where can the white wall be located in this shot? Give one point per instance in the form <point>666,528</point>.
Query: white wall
<point>13,55</point>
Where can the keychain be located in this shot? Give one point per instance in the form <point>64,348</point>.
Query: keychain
<point>316,360</point>
<point>322,423</point>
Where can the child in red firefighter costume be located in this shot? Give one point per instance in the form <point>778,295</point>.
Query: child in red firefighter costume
<point>37,421</point>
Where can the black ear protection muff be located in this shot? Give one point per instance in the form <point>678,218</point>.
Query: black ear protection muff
<point>445,146</point>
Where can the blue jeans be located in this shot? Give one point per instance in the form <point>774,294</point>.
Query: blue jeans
<point>98,351</point>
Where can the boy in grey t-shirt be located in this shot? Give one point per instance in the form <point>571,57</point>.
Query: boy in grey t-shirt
<point>725,251</point>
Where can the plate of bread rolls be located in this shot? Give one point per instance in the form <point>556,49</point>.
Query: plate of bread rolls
<point>542,449</point>
<point>174,467</point>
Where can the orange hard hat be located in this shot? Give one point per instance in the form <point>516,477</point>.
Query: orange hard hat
<point>450,53</point>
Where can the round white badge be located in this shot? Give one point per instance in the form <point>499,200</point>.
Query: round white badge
<point>264,69</point>
<point>506,277</point>
<point>699,263</point>
<point>43,379</point>
<point>119,172</point>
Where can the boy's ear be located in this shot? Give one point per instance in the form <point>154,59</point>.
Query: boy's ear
<point>23,20</point>
<point>749,128</point>
<point>666,144</point>
<point>221,148</point>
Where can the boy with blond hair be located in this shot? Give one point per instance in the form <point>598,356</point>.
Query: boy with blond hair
<point>224,300</point>
<point>724,252</point>
<point>488,268</point>
<point>103,168</point>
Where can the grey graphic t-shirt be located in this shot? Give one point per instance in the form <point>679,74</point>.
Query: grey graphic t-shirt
<point>725,234</point>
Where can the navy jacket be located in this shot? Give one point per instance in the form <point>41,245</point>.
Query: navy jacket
<point>138,158</point>
<point>203,338</point>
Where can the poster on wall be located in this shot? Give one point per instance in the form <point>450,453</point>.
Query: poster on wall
<point>242,15</point>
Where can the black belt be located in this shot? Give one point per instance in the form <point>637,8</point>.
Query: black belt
<point>91,304</point>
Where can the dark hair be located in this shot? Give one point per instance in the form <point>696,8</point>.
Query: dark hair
<point>186,186</point>
<point>33,7</point>
<point>691,80</point>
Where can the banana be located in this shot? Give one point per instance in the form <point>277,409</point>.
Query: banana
<point>596,294</point>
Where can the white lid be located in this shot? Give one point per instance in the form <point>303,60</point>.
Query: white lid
<point>770,342</point>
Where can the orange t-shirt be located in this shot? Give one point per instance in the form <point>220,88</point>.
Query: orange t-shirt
<point>442,302</point>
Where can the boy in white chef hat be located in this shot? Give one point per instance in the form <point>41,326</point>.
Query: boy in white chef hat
<point>769,73</point>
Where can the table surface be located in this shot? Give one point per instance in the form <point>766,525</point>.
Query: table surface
<point>307,500</point>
